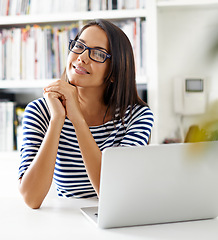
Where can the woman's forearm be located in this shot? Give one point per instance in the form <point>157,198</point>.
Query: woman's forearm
<point>91,153</point>
<point>37,179</point>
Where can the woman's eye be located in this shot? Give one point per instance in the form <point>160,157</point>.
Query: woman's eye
<point>99,54</point>
<point>79,46</point>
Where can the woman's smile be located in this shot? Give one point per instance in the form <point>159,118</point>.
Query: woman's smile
<point>80,70</point>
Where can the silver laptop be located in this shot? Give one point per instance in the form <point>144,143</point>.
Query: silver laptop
<point>157,184</point>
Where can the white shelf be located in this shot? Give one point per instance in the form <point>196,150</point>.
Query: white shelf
<point>141,79</point>
<point>40,83</point>
<point>187,3</point>
<point>6,156</point>
<point>75,16</point>
<point>24,84</point>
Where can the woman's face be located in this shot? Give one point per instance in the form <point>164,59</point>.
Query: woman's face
<point>83,71</point>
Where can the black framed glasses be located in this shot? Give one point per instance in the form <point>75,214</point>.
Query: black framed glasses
<point>95,54</point>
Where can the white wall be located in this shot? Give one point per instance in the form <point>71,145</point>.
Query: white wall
<point>187,46</point>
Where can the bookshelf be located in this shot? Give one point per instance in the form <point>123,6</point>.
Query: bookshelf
<point>26,89</point>
<point>163,53</point>
<point>6,21</point>
<point>78,18</point>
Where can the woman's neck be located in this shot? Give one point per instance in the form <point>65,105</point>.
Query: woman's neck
<point>93,107</point>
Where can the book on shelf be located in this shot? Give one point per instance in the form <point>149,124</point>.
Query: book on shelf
<point>136,32</point>
<point>34,52</point>
<point>11,117</point>
<point>6,125</point>
<point>19,113</point>
<point>24,7</point>
<point>40,52</point>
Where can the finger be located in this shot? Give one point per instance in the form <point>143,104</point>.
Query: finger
<point>59,84</point>
<point>65,92</point>
<point>54,83</point>
<point>54,89</point>
<point>52,95</point>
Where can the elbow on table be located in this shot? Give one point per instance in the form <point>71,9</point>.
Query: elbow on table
<point>30,200</point>
<point>32,204</point>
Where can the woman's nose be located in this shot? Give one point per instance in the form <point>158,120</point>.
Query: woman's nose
<point>84,57</point>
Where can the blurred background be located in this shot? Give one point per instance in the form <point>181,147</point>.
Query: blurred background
<point>175,44</point>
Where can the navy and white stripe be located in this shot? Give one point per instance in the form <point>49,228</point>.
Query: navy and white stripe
<point>70,174</point>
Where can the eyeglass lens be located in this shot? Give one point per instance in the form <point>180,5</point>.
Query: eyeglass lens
<point>94,54</point>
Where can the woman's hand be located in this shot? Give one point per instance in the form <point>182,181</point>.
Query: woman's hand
<point>55,103</point>
<point>68,96</point>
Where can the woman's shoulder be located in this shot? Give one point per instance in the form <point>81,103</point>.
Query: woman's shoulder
<point>139,114</point>
<point>38,105</point>
<point>139,110</point>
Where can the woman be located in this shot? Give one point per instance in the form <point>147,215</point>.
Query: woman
<point>95,107</point>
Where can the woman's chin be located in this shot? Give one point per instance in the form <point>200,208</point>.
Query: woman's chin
<point>71,82</point>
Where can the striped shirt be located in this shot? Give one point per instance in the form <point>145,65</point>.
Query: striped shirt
<point>70,174</point>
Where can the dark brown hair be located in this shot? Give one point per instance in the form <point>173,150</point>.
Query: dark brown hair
<point>120,91</point>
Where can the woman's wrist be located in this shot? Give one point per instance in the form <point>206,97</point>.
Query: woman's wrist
<point>79,123</point>
<point>57,122</point>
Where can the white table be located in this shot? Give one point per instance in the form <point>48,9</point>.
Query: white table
<point>62,218</point>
